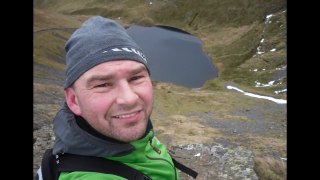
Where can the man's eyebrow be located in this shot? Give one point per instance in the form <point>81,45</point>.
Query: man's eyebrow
<point>98,78</point>
<point>110,76</point>
<point>138,69</point>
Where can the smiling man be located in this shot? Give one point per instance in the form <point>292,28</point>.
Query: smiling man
<point>115,98</point>
<point>108,105</point>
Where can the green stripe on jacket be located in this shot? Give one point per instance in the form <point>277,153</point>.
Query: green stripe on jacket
<point>149,156</point>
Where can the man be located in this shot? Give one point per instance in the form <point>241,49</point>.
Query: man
<point>109,101</point>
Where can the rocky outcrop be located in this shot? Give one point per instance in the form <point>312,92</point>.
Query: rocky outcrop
<point>216,161</point>
<point>43,138</point>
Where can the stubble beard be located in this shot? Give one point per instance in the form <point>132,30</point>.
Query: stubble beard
<point>127,132</point>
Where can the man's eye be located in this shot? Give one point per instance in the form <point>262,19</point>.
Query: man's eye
<point>101,85</point>
<point>136,78</point>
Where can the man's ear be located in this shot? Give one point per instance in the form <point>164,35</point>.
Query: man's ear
<point>72,101</point>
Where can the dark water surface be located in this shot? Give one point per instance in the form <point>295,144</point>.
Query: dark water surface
<point>174,56</point>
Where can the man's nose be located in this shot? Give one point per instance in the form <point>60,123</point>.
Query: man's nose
<point>126,94</point>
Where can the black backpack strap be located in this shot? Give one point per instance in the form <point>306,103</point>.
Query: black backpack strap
<point>185,169</point>
<point>49,168</point>
<point>72,162</point>
<point>52,165</point>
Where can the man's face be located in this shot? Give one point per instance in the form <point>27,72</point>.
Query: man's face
<point>115,98</point>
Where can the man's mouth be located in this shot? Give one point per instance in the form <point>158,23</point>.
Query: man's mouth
<point>126,116</point>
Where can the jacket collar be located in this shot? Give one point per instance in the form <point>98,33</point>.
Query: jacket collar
<point>75,136</point>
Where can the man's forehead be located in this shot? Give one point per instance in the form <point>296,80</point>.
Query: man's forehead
<point>110,69</point>
<point>118,64</point>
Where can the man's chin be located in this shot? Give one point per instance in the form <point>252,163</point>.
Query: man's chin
<point>135,133</point>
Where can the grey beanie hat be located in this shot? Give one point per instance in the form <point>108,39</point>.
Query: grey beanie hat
<point>98,40</point>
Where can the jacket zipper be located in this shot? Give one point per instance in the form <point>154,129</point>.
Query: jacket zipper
<point>161,159</point>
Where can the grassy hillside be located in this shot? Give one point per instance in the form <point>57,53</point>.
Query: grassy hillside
<point>231,31</point>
